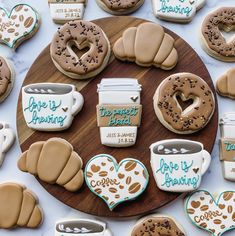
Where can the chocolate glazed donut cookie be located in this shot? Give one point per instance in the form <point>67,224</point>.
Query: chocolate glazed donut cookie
<point>120,7</point>
<point>157,225</point>
<point>187,87</point>
<point>213,41</point>
<point>80,49</point>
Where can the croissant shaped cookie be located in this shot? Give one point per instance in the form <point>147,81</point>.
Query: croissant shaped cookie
<point>147,45</point>
<point>54,162</point>
<point>225,85</point>
<point>18,207</point>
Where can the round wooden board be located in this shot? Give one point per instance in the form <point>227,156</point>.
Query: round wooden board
<point>84,133</point>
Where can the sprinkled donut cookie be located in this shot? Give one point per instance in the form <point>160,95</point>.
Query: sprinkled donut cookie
<point>120,7</point>
<point>213,41</point>
<point>188,87</point>
<point>80,35</point>
<point>6,79</point>
<point>156,225</point>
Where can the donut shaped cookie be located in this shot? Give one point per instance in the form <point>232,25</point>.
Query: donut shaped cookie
<point>213,41</point>
<point>120,7</point>
<point>80,49</point>
<point>188,87</point>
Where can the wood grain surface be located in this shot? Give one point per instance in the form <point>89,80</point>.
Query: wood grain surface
<point>84,133</point>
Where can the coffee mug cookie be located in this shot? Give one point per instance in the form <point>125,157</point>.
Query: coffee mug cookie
<point>18,207</point>
<point>184,86</point>
<point>147,45</point>
<point>54,162</point>
<point>81,35</point>
<point>20,24</point>
<point>120,7</point>
<point>116,183</point>
<point>213,214</point>
<point>75,227</point>
<point>7,78</point>
<point>50,106</point>
<point>225,85</point>
<point>182,11</point>
<point>66,10</point>
<point>156,225</point>
<point>213,41</point>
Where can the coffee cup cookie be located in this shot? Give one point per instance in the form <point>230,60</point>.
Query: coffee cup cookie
<point>78,36</point>
<point>184,86</point>
<point>213,41</point>
<point>7,78</point>
<point>120,7</point>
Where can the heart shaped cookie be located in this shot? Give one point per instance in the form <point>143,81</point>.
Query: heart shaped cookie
<point>113,182</point>
<point>18,25</point>
<point>216,216</point>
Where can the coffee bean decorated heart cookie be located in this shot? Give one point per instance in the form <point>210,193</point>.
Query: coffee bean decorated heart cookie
<point>20,24</point>
<point>216,216</point>
<point>113,182</point>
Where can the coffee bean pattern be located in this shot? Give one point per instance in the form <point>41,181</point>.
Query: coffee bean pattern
<point>214,215</point>
<point>21,22</point>
<point>116,183</point>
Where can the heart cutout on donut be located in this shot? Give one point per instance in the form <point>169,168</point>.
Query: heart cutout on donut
<point>228,33</point>
<point>216,216</point>
<point>113,182</point>
<point>184,104</point>
<point>78,50</point>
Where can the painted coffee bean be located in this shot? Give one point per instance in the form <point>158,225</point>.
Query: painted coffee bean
<point>222,226</point>
<point>203,225</point>
<point>230,209</point>
<point>98,190</point>
<point>117,196</point>
<point>19,8</point>
<point>21,18</point>
<point>128,180</point>
<point>121,176</point>
<point>204,208</point>
<point>227,196</point>
<point>112,190</point>
<point>95,168</point>
<point>195,204</point>
<point>191,211</point>
<point>89,174</point>
<point>233,217</point>
<point>130,165</point>
<point>217,221</point>
<point>28,22</point>
<point>134,188</point>
<point>11,30</point>
<point>221,206</point>
<point>103,173</point>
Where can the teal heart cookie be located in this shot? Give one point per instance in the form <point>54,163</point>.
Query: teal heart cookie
<point>113,182</point>
<point>18,25</point>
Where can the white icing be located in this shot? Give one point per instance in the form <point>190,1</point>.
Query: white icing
<point>30,90</point>
<point>7,138</point>
<point>172,151</point>
<point>177,10</point>
<point>73,230</point>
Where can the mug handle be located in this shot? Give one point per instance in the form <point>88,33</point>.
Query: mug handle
<point>8,138</point>
<point>107,233</point>
<point>206,161</point>
<point>78,104</point>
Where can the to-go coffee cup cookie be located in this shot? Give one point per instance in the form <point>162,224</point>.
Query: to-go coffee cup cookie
<point>119,111</point>
<point>50,106</point>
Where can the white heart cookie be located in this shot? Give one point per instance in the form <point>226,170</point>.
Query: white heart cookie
<point>214,216</point>
<point>177,10</point>
<point>113,182</point>
<point>18,25</point>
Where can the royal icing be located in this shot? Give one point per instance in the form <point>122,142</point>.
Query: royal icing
<point>7,138</point>
<point>83,227</point>
<point>17,25</point>
<point>216,216</point>
<point>119,111</point>
<point>177,10</point>
<point>178,165</point>
<point>227,145</point>
<point>113,182</point>
<point>50,106</point>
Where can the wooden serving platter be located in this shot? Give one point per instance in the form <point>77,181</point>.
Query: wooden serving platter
<point>84,133</point>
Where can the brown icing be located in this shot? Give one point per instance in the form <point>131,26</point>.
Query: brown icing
<point>120,4</point>
<point>187,86</point>
<point>157,226</point>
<point>83,34</point>
<point>221,19</point>
<point>5,76</point>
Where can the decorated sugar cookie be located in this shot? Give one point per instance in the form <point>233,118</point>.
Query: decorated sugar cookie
<point>18,25</point>
<point>227,145</point>
<point>7,78</point>
<point>178,165</point>
<point>50,106</point>
<point>66,10</point>
<point>113,182</point>
<point>177,10</point>
<point>215,215</point>
<point>55,162</point>
<point>156,225</point>
<point>18,207</point>
<point>7,138</point>
<point>147,45</point>
<point>76,227</point>
<point>119,111</point>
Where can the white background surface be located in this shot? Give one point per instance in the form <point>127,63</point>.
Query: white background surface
<point>24,57</point>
